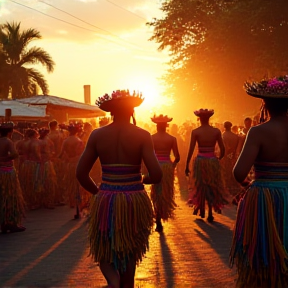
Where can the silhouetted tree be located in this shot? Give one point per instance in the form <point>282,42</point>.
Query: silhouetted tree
<point>216,45</point>
<point>15,57</point>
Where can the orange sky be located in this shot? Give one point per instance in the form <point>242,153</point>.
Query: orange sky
<point>105,45</point>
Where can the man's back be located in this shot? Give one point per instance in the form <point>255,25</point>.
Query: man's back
<point>163,142</point>
<point>231,141</point>
<point>206,135</point>
<point>119,143</point>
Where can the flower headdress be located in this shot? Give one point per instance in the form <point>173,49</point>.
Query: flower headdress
<point>123,97</point>
<point>276,87</point>
<point>204,112</point>
<point>161,119</point>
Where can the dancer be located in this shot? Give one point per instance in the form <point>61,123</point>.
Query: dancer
<point>260,240</point>
<point>231,141</point>
<point>162,194</point>
<point>209,183</point>
<point>70,153</point>
<point>47,171</point>
<point>121,212</point>
<point>12,205</point>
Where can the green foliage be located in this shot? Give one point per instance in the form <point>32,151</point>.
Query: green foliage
<point>15,55</point>
<point>215,46</point>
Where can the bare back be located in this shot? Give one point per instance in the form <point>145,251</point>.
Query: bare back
<point>72,146</point>
<point>163,143</point>
<point>231,142</point>
<point>267,142</point>
<point>7,148</point>
<point>119,144</point>
<point>206,136</point>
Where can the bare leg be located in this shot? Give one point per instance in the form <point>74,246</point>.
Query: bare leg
<point>210,216</point>
<point>159,227</point>
<point>111,274</point>
<point>127,278</point>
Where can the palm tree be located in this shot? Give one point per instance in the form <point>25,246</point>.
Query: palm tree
<point>15,77</point>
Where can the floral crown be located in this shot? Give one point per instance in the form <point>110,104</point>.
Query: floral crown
<point>204,112</point>
<point>161,119</point>
<point>276,87</point>
<point>109,102</point>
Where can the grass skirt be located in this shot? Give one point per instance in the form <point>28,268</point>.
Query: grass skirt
<point>260,240</point>
<point>121,219</point>
<point>31,183</point>
<point>48,183</point>
<point>12,204</point>
<point>162,194</point>
<point>208,185</point>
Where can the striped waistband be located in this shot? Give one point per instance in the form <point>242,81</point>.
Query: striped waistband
<point>206,155</point>
<point>271,171</point>
<point>163,158</point>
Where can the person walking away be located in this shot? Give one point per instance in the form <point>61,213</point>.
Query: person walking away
<point>260,239</point>
<point>121,213</point>
<point>207,174</point>
<point>162,194</point>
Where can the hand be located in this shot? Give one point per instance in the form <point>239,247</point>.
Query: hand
<point>187,171</point>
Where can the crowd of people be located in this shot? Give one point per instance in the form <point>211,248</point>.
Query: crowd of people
<point>105,171</point>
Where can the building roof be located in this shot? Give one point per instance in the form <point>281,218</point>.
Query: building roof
<point>57,101</point>
<point>21,110</point>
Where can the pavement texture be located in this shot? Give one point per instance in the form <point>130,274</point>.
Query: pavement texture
<point>54,252</point>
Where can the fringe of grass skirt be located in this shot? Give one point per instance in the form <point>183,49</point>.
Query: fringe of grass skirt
<point>208,184</point>
<point>162,194</point>
<point>12,204</point>
<point>260,239</point>
<point>120,226</point>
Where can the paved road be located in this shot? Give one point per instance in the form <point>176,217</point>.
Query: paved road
<point>53,252</point>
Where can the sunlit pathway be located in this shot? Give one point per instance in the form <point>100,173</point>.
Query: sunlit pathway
<point>53,252</point>
<point>190,252</point>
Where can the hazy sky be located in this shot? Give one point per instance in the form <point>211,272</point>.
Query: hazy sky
<point>95,42</point>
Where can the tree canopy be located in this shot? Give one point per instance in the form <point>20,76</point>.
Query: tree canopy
<point>17,77</point>
<point>215,46</point>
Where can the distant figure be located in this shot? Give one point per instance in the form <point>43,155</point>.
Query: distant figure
<point>70,153</point>
<point>47,171</point>
<point>209,184</point>
<point>231,142</point>
<point>162,194</point>
<point>260,240</point>
<point>121,213</point>
<point>11,199</point>
<point>243,133</point>
<point>57,136</point>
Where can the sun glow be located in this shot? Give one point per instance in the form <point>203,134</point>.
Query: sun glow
<point>152,94</point>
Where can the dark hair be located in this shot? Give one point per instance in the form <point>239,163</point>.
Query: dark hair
<point>4,131</point>
<point>276,106</point>
<point>227,125</point>
<point>247,119</point>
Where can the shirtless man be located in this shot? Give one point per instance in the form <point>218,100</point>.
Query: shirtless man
<point>209,184</point>
<point>162,194</point>
<point>121,212</point>
<point>11,198</point>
